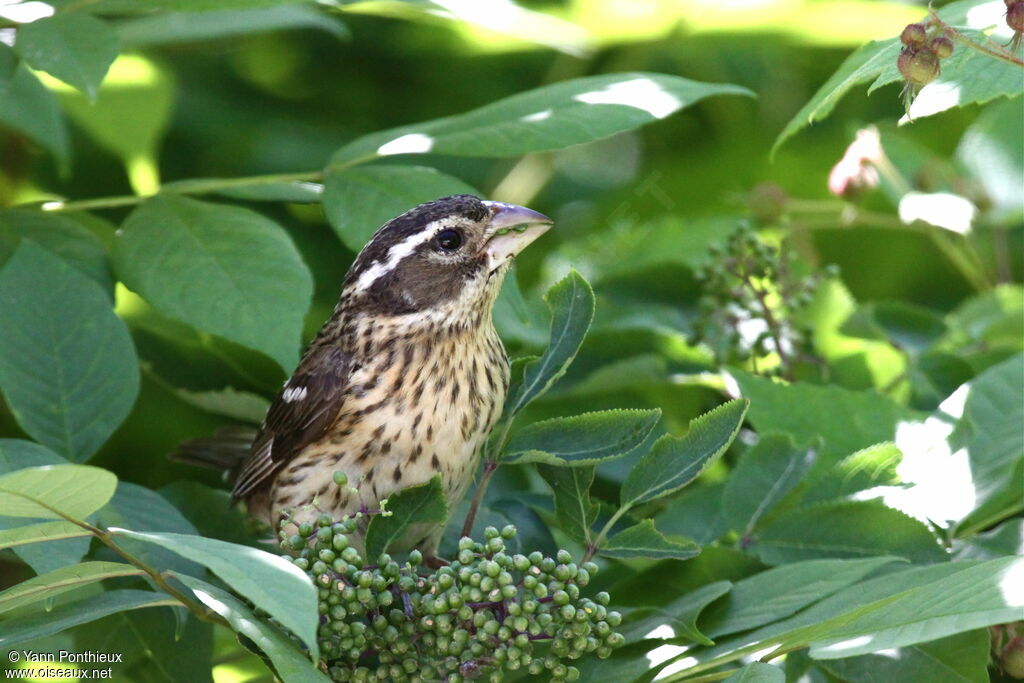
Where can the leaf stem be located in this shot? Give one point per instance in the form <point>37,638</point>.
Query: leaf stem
<point>595,545</point>
<point>991,51</point>
<point>490,467</point>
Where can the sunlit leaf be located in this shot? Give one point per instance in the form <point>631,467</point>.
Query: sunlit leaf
<point>551,117</point>
<point>758,672</point>
<point>960,658</point>
<point>56,491</point>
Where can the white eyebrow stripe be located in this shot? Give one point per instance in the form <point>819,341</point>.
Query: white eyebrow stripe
<point>395,254</point>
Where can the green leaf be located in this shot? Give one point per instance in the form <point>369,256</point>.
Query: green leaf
<point>782,591</point>
<point>571,301</point>
<point>960,658</point>
<point>19,629</point>
<point>857,528</point>
<point>29,108</point>
<point>1005,539</point>
<point>696,513</point>
<point>130,115</point>
<point>674,462</point>
<point>573,509</point>
<point>75,47</point>
<point>865,469</point>
<point>8,67</point>
<point>43,531</point>
<point>291,665</point>
<point>764,476</point>
<point>758,672</point>
<point>67,542</point>
<point>224,270</point>
<point>990,427</point>
<point>273,584</point>
<point>585,439</point>
<point>986,151</point>
<point>967,77</point>
<point>56,491</point>
<point>987,594</point>
<point>169,29</point>
<point>547,118</point>
<point>680,616</point>
<point>644,540</point>
<point>59,235</point>
<point>847,420</point>
<point>358,201</point>
<point>422,504</point>
<point>932,602</point>
<point>250,189</point>
<point>62,580</point>
<point>67,364</point>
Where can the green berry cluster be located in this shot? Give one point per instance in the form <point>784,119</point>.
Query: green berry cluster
<point>751,304</point>
<point>486,612</point>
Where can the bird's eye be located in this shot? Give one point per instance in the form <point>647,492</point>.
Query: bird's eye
<point>448,240</point>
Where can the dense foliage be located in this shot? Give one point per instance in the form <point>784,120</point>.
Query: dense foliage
<point>766,428</point>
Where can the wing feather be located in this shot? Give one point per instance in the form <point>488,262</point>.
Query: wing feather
<point>302,413</point>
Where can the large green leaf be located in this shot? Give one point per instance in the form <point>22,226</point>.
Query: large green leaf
<point>43,531</point>
<point>960,658</point>
<point>782,591</point>
<point>291,665</point>
<point>75,47</point>
<point>56,491</point>
<point>551,117</point>
<point>991,429</point>
<point>696,513</point>
<point>183,27</point>
<point>68,368</point>
<point>847,420</point>
<point>571,301</point>
<point>62,580</point>
<point>674,462</point>
<point>21,628</point>
<point>758,672</point>
<point>982,595</point>
<point>680,616</point>
<point>423,504</point>
<point>915,605</point>
<point>857,528</point>
<point>987,151</point>
<point>358,201</point>
<point>573,508</point>
<point>968,76</point>
<point>585,439</point>
<point>764,476</point>
<point>644,540</point>
<point>59,235</point>
<point>272,583</point>
<point>31,109</point>
<point>221,269</point>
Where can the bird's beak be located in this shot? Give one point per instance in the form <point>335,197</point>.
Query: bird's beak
<point>512,229</point>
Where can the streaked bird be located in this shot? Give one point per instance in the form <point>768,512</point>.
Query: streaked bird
<point>406,378</point>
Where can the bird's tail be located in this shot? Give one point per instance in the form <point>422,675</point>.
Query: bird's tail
<point>225,451</point>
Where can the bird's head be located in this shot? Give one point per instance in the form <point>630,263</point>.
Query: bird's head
<point>440,262</point>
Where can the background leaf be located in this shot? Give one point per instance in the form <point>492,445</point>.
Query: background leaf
<point>67,365</point>
<point>358,201</point>
<point>185,257</point>
<point>573,508</point>
<point>60,236</point>
<point>75,47</point>
<point>762,478</point>
<point>50,491</point>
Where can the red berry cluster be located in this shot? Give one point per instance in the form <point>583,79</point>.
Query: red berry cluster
<point>919,59</point>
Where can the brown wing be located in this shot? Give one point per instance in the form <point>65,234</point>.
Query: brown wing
<point>302,413</point>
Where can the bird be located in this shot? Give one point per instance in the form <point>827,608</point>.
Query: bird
<point>405,379</point>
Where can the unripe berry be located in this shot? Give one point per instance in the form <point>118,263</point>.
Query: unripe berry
<point>914,35</point>
<point>941,46</point>
<point>919,67</point>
